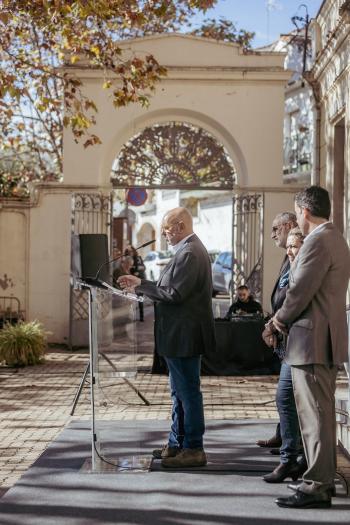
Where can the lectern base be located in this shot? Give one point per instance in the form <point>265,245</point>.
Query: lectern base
<point>118,464</point>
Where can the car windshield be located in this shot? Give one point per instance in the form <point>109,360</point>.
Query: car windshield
<point>228,260</point>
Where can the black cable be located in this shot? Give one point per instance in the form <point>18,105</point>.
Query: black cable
<point>110,462</point>
<point>102,458</point>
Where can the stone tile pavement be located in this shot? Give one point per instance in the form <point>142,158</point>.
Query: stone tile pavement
<point>35,403</point>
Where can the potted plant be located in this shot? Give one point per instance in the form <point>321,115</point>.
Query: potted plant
<point>23,343</point>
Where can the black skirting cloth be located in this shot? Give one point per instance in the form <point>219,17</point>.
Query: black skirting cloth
<point>240,350</point>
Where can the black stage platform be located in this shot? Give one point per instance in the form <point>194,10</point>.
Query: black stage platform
<point>229,491</point>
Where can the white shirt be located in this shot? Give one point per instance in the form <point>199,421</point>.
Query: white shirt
<point>316,229</point>
<point>180,244</point>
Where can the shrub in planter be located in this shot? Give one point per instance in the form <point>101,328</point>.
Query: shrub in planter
<point>23,343</point>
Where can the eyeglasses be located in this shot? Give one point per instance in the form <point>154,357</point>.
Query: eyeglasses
<point>168,229</point>
<point>277,228</point>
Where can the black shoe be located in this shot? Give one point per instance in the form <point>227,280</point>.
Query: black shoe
<point>283,471</point>
<point>273,442</point>
<point>295,486</point>
<point>300,500</point>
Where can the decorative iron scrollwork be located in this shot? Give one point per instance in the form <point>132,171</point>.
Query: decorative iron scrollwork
<point>91,202</point>
<point>174,154</point>
<point>248,203</point>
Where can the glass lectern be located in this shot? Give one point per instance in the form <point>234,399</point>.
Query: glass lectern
<point>113,366</point>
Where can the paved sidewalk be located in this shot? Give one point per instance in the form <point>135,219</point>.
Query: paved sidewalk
<point>36,403</point>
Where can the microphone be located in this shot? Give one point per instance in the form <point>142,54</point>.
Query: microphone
<point>120,256</point>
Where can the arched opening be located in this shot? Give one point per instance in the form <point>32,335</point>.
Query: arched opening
<point>174,154</point>
<point>178,163</point>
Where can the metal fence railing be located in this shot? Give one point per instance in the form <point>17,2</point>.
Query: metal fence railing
<point>10,310</point>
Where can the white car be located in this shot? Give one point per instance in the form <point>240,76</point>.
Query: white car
<point>154,262</point>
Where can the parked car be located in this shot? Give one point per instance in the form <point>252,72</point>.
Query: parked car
<point>213,255</point>
<point>222,273</point>
<point>154,263</point>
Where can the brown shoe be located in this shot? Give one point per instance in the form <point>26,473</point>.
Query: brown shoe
<point>165,452</point>
<point>188,457</point>
<point>273,442</point>
<point>283,471</point>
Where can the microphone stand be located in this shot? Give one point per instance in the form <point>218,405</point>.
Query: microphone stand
<point>97,282</point>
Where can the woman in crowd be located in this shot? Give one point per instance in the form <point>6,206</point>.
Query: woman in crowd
<point>289,465</point>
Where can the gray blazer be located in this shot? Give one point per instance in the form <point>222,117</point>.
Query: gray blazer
<point>184,324</point>
<point>314,307</point>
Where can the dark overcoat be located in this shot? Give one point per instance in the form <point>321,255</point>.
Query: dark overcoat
<point>184,324</point>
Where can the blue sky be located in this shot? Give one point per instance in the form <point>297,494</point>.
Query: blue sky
<point>267,18</point>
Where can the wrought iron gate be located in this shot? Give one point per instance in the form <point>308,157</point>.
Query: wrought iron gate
<point>247,242</point>
<point>91,213</point>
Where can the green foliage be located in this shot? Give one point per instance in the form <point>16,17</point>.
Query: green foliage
<point>39,97</point>
<point>23,343</point>
<point>12,185</point>
<point>225,31</point>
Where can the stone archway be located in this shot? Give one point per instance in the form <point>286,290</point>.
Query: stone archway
<point>236,96</point>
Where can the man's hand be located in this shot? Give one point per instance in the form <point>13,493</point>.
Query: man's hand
<point>269,335</point>
<point>128,282</point>
<point>280,327</point>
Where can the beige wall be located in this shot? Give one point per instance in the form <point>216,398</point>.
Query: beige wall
<point>237,115</point>
<point>14,252</point>
<point>49,264</point>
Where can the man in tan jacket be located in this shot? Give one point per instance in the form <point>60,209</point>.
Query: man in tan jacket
<point>314,314</point>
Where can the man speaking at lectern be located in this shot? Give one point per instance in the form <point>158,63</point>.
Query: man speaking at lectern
<point>184,329</point>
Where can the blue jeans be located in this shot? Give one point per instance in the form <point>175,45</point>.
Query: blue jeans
<point>187,415</point>
<point>285,402</point>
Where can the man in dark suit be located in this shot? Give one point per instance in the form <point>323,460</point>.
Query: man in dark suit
<point>184,329</point>
<point>314,312</point>
<point>282,224</point>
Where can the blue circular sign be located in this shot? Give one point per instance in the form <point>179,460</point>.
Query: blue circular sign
<point>136,196</point>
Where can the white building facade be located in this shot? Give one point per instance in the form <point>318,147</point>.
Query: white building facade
<point>330,78</point>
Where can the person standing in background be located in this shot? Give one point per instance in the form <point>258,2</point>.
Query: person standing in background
<point>282,224</point>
